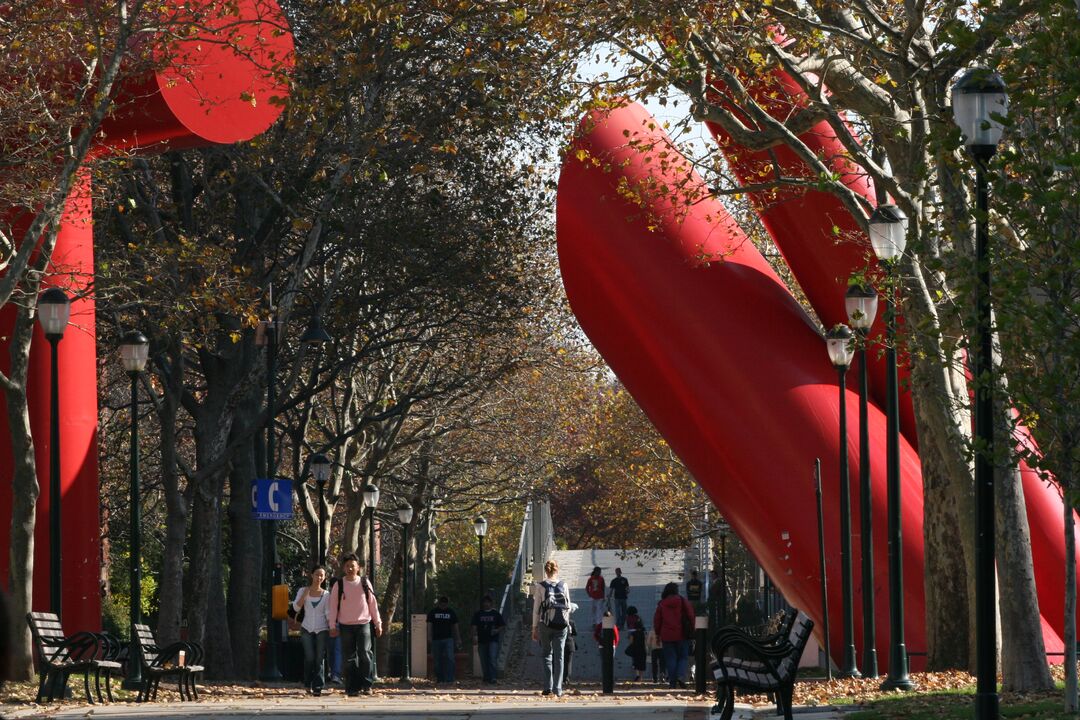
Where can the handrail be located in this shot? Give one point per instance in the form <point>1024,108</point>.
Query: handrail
<point>519,571</point>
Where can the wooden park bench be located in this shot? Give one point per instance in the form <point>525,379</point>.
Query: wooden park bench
<point>60,656</point>
<point>766,665</point>
<point>158,663</point>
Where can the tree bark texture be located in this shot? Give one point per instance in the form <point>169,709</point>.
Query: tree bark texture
<point>24,496</point>
<point>171,582</point>
<point>245,565</point>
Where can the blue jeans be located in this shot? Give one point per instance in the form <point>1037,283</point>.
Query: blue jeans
<point>552,644</point>
<point>489,660</point>
<point>335,657</point>
<point>619,606</point>
<point>357,644</point>
<point>443,653</point>
<point>314,656</point>
<point>676,656</point>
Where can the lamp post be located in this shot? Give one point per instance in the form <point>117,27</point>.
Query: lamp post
<point>480,528</point>
<point>888,236</point>
<point>320,470</point>
<point>134,351</point>
<point>53,309</point>
<point>861,305</point>
<point>371,500</point>
<point>838,342</point>
<point>979,102</point>
<point>723,576</point>
<point>314,335</point>
<point>405,515</point>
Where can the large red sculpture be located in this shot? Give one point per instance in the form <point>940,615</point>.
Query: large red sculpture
<point>725,363</point>
<point>221,85</point>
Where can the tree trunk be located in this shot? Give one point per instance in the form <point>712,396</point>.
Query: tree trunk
<point>24,496</point>
<point>939,393</point>
<point>388,606</point>
<point>245,566</point>
<point>1023,654</point>
<point>171,584</point>
<point>352,540</point>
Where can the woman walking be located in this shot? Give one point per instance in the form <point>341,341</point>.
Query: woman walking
<point>311,602</point>
<point>551,624</point>
<point>636,649</point>
<point>674,626</point>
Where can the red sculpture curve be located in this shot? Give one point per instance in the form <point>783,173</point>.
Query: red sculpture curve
<point>721,358</point>
<point>212,92</point>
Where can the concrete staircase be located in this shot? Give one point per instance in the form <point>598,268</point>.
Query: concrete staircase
<point>647,570</point>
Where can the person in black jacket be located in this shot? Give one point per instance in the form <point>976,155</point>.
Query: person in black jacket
<point>568,653</point>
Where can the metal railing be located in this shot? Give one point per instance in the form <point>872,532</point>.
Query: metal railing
<point>536,542</point>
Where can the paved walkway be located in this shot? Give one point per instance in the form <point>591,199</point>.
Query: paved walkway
<point>648,572</point>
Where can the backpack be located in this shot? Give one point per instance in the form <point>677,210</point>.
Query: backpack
<point>555,607</point>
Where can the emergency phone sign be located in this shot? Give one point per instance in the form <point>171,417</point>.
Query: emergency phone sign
<point>271,499</point>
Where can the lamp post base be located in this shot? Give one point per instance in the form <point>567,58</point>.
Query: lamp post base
<point>133,683</point>
<point>986,706</point>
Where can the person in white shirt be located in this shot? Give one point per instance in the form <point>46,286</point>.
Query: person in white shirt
<point>314,628</point>
<point>552,640</point>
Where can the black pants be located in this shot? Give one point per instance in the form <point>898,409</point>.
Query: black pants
<point>659,666</point>
<point>358,651</point>
<point>567,662</point>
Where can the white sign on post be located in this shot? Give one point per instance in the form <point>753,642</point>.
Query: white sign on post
<point>419,646</point>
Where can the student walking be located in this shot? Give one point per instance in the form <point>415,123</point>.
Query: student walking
<point>594,588</point>
<point>354,615</point>
<point>568,653</point>
<point>487,622</point>
<point>673,622</point>
<point>655,649</point>
<point>636,649</point>
<point>444,639</point>
<point>551,624</point>
<point>618,593</point>
<point>313,613</point>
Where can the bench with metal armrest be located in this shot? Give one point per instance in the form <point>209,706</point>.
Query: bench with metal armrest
<point>182,660</point>
<point>60,656</point>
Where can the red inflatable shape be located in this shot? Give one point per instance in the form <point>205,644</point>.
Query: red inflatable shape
<point>823,246</point>
<point>722,359</point>
<point>224,85</point>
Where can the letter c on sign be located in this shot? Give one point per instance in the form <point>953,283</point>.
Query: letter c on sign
<point>273,497</point>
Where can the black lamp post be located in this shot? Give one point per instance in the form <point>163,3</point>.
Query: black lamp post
<point>371,500</point>
<point>53,309</point>
<point>134,351</point>
<point>480,528</point>
<point>320,470</point>
<point>838,342</point>
<point>861,304</point>
<point>979,103</point>
<point>405,515</point>
<point>888,236</point>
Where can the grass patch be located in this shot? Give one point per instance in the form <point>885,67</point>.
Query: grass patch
<point>958,704</point>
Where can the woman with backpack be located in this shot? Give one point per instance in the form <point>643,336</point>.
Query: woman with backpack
<point>673,622</point>
<point>312,611</point>
<point>551,624</point>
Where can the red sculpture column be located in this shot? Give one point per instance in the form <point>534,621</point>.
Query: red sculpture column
<point>210,92</point>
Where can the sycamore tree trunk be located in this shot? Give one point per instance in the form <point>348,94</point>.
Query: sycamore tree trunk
<point>1023,654</point>
<point>171,581</point>
<point>245,561</point>
<point>939,393</point>
<point>24,495</point>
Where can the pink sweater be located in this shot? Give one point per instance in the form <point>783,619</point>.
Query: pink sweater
<point>355,608</point>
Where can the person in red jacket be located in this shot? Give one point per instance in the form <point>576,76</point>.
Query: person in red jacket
<point>595,589</point>
<point>673,623</point>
